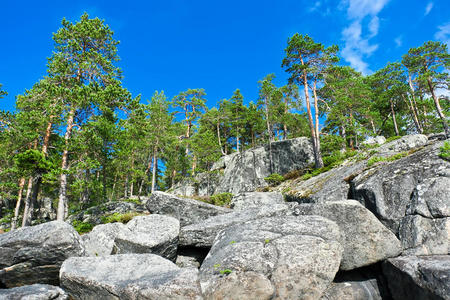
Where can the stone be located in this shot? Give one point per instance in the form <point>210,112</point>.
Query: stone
<point>353,290</point>
<point>128,276</point>
<point>424,236</point>
<point>255,199</point>
<point>405,143</point>
<point>284,257</point>
<point>203,184</point>
<point>418,277</point>
<point>34,292</point>
<point>245,172</point>
<point>93,215</point>
<point>202,234</point>
<point>416,185</point>
<point>378,140</point>
<point>187,211</point>
<point>100,241</point>
<point>34,254</point>
<point>365,239</point>
<point>155,234</point>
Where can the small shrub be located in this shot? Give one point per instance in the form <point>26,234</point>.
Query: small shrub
<point>82,227</point>
<point>122,218</point>
<point>274,179</point>
<point>444,151</point>
<point>223,199</point>
<point>292,174</point>
<point>225,271</point>
<point>392,138</point>
<point>394,157</point>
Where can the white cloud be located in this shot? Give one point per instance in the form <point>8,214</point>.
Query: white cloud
<point>398,41</point>
<point>316,6</point>
<point>428,8</point>
<point>357,46</point>
<point>443,34</point>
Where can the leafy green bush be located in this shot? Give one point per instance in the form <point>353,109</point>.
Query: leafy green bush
<point>376,159</point>
<point>121,218</point>
<point>274,179</point>
<point>82,227</point>
<point>444,151</point>
<point>392,138</point>
<point>223,199</point>
<point>329,144</point>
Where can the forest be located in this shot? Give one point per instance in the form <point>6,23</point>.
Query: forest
<point>79,137</point>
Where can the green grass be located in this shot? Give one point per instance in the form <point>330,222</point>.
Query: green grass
<point>82,227</point>
<point>444,151</point>
<point>121,218</point>
<point>375,159</point>
<point>330,162</point>
<point>392,138</point>
<point>274,179</point>
<point>223,199</point>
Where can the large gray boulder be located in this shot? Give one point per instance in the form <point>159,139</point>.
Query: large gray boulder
<point>34,254</point>
<point>418,277</point>
<point>155,234</point>
<point>94,215</point>
<point>203,184</point>
<point>255,199</point>
<point>202,234</point>
<point>405,143</point>
<point>372,141</point>
<point>353,290</point>
<point>187,211</point>
<point>365,240</point>
<point>128,276</point>
<point>100,241</point>
<point>404,192</point>
<point>245,172</point>
<point>285,257</point>
<point>34,292</point>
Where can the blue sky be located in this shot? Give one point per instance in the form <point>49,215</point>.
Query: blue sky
<point>173,45</point>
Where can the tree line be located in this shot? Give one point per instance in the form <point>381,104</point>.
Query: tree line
<point>79,137</point>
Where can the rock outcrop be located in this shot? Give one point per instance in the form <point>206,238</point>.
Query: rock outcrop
<point>411,197</point>
<point>34,254</point>
<point>273,258</point>
<point>155,234</point>
<point>187,211</point>
<point>128,276</point>
<point>365,240</point>
<point>100,241</point>
<point>418,277</point>
<point>255,199</point>
<point>34,292</point>
<point>352,290</point>
<point>202,234</point>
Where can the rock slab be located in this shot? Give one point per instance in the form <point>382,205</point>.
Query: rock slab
<point>34,292</point>
<point>187,211</point>
<point>255,199</point>
<point>34,254</point>
<point>273,258</point>
<point>128,276</point>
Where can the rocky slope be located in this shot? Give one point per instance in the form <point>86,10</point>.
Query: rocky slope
<point>375,227</point>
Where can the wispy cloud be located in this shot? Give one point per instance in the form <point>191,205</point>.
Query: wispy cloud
<point>428,8</point>
<point>443,34</point>
<point>398,41</point>
<point>357,45</point>
<point>315,6</point>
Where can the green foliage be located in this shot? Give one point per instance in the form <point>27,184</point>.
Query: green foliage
<point>444,151</point>
<point>392,138</point>
<point>225,271</point>
<point>82,227</point>
<point>223,199</point>
<point>121,218</point>
<point>394,157</point>
<point>274,179</point>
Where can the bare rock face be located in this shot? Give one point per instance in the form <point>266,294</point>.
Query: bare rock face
<point>246,171</point>
<point>155,234</point>
<point>411,197</point>
<point>404,143</point>
<point>352,290</point>
<point>418,277</point>
<point>255,199</point>
<point>128,276</point>
<point>34,292</point>
<point>274,258</point>
<point>365,240</point>
<point>34,254</point>
<point>187,211</point>
<point>100,241</point>
<point>202,234</point>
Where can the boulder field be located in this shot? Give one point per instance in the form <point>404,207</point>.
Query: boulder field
<point>366,229</point>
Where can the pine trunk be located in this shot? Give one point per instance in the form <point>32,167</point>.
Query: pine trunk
<point>18,203</point>
<point>62,203</point>
<point>155,159</point>
<point>316,129</point>
<point>438,108</point>
<point>393,117</point>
